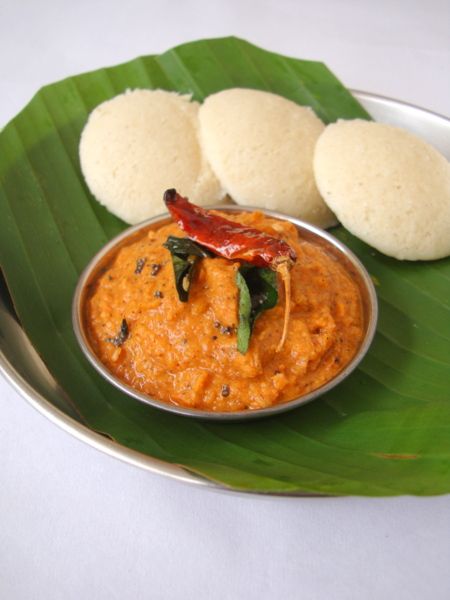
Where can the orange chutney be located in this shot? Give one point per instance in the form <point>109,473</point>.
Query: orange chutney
<point>186,354</point>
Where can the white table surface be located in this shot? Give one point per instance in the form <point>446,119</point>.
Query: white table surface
<point>75,523</point>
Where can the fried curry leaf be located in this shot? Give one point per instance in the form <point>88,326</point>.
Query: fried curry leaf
<point>183,269</point>
<point>185,254</point>
<point>186,247</point>
<point>122,336</point>
<point>257,293</point>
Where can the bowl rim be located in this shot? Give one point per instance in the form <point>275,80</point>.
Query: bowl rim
<point>89,272</point>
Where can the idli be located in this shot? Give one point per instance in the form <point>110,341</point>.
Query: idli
<point>260,146</point>
<point>140,143</point>
<point>388,187</point>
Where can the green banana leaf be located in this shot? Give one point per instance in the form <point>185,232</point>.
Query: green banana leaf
<point>384,431</point>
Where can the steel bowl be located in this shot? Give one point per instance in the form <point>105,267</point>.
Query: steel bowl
<point>333,246</point>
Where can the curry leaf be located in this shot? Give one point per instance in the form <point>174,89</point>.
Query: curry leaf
<point>185,254</point>
<point>257,293</point>
<point>186,247</point>
<point>183,269</point>
<point>122,336</point>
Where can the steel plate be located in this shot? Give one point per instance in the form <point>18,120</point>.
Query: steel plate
<point>24,370</point>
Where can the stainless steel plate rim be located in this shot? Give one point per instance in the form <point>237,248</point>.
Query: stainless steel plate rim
<point>149,463</point>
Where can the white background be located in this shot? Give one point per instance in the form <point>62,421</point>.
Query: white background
<point>75,523</point>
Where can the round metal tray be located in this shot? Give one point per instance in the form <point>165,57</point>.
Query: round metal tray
<point>24,370</point>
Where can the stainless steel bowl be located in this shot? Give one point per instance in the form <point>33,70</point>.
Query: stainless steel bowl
<point>309,232</point>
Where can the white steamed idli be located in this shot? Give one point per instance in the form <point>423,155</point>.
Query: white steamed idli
<point>388,187</point>
<point>140,143</point>
<point>260,146</point>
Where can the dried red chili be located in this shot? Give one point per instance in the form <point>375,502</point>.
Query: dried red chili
<point>234,241</point>
<point>226,238</point>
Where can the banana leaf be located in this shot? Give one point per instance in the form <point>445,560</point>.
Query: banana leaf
<point>384,431</point>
